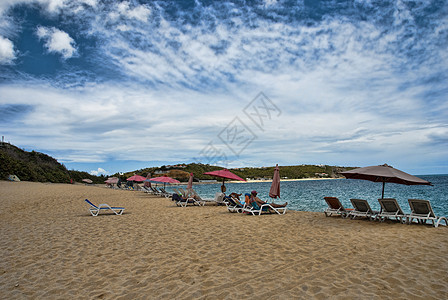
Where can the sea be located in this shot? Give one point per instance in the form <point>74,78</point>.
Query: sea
<point>308,195</point>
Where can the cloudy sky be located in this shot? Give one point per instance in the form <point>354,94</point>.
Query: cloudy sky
<point>112,85</point>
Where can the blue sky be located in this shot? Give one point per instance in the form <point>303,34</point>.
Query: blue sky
<point>109,86</point>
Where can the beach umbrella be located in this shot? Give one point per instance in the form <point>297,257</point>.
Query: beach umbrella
<point>190,182</point>
<point>274,192</point>
<point>136,178</point>
<point>164,179</point>
<point>86,180</point>
<point>384,173</point>
<point>224,174</point>
<point>112,180</point>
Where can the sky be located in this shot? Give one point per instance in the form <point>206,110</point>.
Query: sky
<point>108,86</point>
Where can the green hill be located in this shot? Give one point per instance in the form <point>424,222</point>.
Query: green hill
<point>290,172</point>
<point>36,166</point>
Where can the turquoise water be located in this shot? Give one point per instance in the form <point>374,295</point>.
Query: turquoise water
<point>309,195</point>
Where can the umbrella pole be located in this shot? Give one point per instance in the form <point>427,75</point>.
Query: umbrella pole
<point>382,194</point>
<point>223,187</point>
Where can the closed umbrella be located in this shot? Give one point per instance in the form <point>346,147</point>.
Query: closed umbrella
<point>224,174</point>
<point>190,182</point>
<point>274,192</point>
<point>147,181</point>
<point>384,173</point>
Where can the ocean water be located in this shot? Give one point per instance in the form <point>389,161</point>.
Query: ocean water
<point>308,195</point>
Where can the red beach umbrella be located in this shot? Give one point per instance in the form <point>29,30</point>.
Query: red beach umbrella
<point>384,173</point>
<point>224,174</point>
<point>190,182</point>
<point>275,186</point>
<point>136,178</point>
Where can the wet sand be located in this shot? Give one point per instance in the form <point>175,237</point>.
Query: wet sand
<point>52,248</point>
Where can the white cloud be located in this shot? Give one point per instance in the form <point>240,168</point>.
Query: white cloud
<point>268,3</point>
<point>7,53</point>
<point>124,9</point>
<point>57,41</point>
<point>53,5</point>
<point>98,172</point>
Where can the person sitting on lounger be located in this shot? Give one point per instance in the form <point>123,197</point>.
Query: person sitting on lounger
<point>178,197</point>
<point>254,198</point>
<point>236,198</point>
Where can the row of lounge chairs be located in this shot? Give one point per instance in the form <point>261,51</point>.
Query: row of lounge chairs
<point>421,211</point>
<point>156,191</point>
<point>183,199</point>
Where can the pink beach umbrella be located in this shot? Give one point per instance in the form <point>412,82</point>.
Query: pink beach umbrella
<point>164,179</point>
<point>190,182</point>
<point>224,173</point>
<point>275,186</point>
<point>112,180</point>
<point>136,178</point>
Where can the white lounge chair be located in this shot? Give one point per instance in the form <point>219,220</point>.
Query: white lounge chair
<point>177,191</point>
<point>255,209</point>
<point>390,209</point>
<point>147,190</point>
<point>362,209</point>
<point>184,202</point>
<point>95,210</point>
<point>234,205</point>
<point>421,210</point>
<point>219,197</point>
<point>335,207</point>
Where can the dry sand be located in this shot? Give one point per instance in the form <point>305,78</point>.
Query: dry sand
<point>52,248</point>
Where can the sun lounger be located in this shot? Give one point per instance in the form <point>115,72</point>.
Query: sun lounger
<point>187,193</point>
<point>255,209</point>
<point>234,205</point>
<point>177,191</point>
<point>218,197</point>
<point>184,202</point>
<point>390,209</point>
<point>421,211</point>
<point>95,210</point>
<point>335,207</point>
<point>159,192</point>
<point>164,193</point>
<point>147,190</point>
<point>362,209</point>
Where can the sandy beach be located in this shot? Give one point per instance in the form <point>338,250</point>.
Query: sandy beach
<point>52,248</point>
